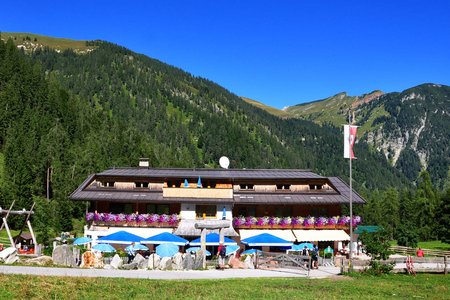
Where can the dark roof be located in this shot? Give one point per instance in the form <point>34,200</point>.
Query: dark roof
<point>212,173</point>
<point>340,196</point>
<point>344,190</point>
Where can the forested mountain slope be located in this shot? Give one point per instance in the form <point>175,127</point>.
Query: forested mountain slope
<point>66,115</point>
<point>411,128</point>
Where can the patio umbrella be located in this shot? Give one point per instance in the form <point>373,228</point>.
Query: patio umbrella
<point>199,182</point>
<point>212,239</point>
<point>82,241</point>
<point>164,238</point>
<point>232,250</point>
<point>251,252</point>
<point>308,245</point>
<point>120,237</point>
<point>265,239</point>
<point>137,247</point>
<point>167,250</point>
<point>104,248</point>
<point>186,183</point>
<point>195,249</point>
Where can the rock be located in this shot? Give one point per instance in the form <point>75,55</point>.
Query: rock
<point>108,267</point>
<point>249,262</point>
<point>188,262</point>
<point>116,262</point>
<point>63,255</point>
<point>166,263</point>
<point>178,261</point>
<point>41,261</point>
<point>7,252</point>
<point>198,262</point>
<point>153,261</point>
<point>138,259</point>
<point>88,260</point>
<point>131,266</point>
<point>236,263</point>
<point>143,265</point>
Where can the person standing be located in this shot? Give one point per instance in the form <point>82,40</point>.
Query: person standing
<point>221,253</point>
<point>131,252</point>
<point>315,257</point>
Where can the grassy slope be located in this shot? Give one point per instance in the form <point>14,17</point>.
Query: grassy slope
<point>424,286</point>
<point>332,109</point>
<point>274,111</point>
<point>51,42</point>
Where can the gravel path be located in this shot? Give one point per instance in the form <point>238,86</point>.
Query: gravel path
<point>167,275</point>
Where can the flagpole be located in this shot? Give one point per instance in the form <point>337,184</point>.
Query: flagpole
<point>350,256</point>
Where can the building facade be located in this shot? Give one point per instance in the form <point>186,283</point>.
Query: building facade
<point>147,201</point>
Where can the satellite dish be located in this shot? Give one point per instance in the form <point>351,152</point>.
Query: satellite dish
<point>224,162</point>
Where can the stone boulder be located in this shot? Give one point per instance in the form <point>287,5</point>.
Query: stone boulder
<point>198,262</point>
<point>138,259</point>
<point>88,260</point>
<point>63,256</point>
<point>236,263</point>
<point>9,256</point>
<point>132,266</point>
<point>40,261</point>
<point>153,261</point>
<point>165,263</point>
<point>188,262</point>
<point>177,261</point>
<point>249,262</point>
<point>116,262</point>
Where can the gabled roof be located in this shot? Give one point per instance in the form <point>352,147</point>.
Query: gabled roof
<point>212,173</point>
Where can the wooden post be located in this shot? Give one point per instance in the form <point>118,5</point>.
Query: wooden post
<point>7,214</point>
<point>203,246</point>
<point>445,265</point>
<point>32,235</point>
<point>9,233</point>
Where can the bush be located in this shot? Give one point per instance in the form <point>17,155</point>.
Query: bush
<point>379,268</point>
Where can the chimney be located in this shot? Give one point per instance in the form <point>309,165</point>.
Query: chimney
<point>143,162</point>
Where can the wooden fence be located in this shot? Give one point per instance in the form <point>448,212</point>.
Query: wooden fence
<point>412,251</point>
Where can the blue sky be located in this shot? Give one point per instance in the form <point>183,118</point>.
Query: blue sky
<point>278,52</point>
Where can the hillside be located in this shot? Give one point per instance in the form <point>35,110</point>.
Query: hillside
<point>403,126</point>
<point>271,110</point>
<point>70,115</point>
<point>31,42</point>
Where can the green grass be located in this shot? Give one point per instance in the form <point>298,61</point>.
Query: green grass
<point>423,286</point>
<point>438,245</point>
<point>271,110</point>
<point>51,42</point>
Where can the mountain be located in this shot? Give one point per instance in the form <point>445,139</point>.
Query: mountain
<point>411,128</point>
<point>271,110</point>
<point>66,114</point>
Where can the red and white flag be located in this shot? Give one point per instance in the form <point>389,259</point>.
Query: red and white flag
<point>349,140</point>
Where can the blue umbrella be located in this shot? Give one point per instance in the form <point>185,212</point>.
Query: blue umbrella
<point>120,237</point>
<point>82,240</point>
<point>265,239</point>
<point>308,245</point>
<point>232,249</point>
<point>167,250</point>
<point>212,239</point>
<point>104,248</point>
<point>199,182</point>
<point>251,251</point>
<point>186,183</point>
<point>224,213</point>
<point>164,238</point>
<point>195,249</point>
<point>137,247</point>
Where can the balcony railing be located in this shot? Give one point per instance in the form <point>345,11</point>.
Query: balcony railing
<point>337,222</point>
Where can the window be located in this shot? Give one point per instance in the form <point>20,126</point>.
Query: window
<point>210,211</point>
<point>315,186</point>
<point>141,184</point>
<point>158,209</point>
<point>283,211</point>
<point>108,184</point>
<point>246,186</point>
<point>121,208</point>
<point>283,186</point>
<point>319,211</point>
